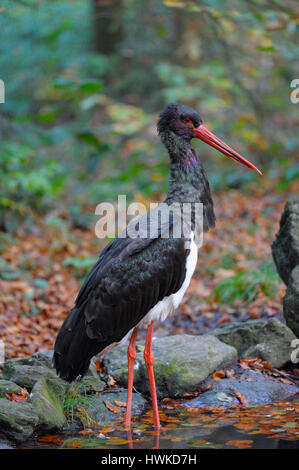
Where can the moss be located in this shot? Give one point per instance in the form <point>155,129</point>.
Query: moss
<point>47,400</point>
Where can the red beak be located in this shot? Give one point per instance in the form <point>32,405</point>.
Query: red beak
<point>202,133</point>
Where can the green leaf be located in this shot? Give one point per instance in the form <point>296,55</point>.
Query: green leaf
<point>89,138</point>
<point>91,86</point>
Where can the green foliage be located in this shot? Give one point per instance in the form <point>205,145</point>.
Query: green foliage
<point>244,286</point>
<point>73,119</point>
<point>27,180</point>
<point>74,405</point>
<point>82,265</point>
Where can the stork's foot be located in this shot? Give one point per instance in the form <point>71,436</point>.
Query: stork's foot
<point>149,362</point>
<point>131,361</point>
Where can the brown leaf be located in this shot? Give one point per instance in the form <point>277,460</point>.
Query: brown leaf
<point>111,382</point>
<point>219,374</point>
<point>54,438</point>
<point>111,407</point>
<point>74,444</point>
<point>122,404</point>
<point>286,381</point>
<point>230,373</point>
<point>222,273</point>
<point>239,444</point>
<point>243,400</point>
<point>19,397</point>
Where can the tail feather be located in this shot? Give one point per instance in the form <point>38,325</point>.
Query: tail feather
<point>73,349</point>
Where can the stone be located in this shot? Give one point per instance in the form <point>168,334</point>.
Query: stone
<point>256,387</point>
<point>17,420</point>
<point>5,444</point>
<point>291,302</point>
<point>6,386</point>
<point>99,412</point>
<point>268,339</point>
<point>47,399</point>
<point>27,371</point>
<point>27,375</point>
<point>91,382</point>
<point>181,363</point>
<point>285,249</point>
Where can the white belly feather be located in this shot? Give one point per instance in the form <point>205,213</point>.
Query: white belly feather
<point>167,305</point>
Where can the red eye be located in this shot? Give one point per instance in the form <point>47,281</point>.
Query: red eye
<point>188,121</point>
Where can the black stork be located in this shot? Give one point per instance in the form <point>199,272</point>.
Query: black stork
<point>137,281</point>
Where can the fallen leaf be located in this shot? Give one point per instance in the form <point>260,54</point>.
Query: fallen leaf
<point>122,404</point>
<point>219,374</point>
<point>243,400</point>
<point>54,438</point>
<point>286,381</point>
<point>111,382</point>
<point>18,397</point>
<point>230,373</point>
<point>74,444</point>
<point>239,444</point>
<point>111,407</point>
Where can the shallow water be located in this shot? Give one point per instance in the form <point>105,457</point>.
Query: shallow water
<point>183,427</point>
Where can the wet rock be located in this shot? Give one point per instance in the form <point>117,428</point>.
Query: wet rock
<point>257,387</point>
<point>91,382</point>
<point>27,375</point>
<point>6,386</point>
<point>101,414</point>
<point>44,411</point>
<point>268,339</point>
<point>27,371</point>
<point>47,400</point>
<point>291,302</point>
<point>285,248</point>
<point>5,444</point>
<point>285,251</point>
<point>182,362</point>
<point>17,420</point>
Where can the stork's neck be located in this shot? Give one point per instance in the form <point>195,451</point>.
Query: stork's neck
<point>187,181</point>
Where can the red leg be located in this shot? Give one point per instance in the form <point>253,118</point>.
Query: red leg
<point>149,361</point>
<point>131,361</point>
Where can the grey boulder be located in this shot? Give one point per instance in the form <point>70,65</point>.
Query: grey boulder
<point>182,363</point>
<point>268,339</point>
<point>285,248</point>
<point>256,387</point>
<point>17,420</point>
<point>101,414</point>
<point>291,302</point>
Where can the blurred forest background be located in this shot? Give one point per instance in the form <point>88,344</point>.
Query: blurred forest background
<point>84,84</point>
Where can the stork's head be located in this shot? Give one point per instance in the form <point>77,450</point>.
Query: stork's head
<point>186,123</point>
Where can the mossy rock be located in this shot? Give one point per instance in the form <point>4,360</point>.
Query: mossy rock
<point>27,375</point>
<point>18,421</point>
<point>27,371</point>
<point>268,339</point>
<point>91,382</point>
<point>291,302</point>
<point>47,399</point>
<point>285,248</point>
<point>7,386</point>
<point>181,363</point>
<point>100,414</point>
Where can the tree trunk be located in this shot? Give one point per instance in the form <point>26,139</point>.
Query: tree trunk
<point>107,25</point>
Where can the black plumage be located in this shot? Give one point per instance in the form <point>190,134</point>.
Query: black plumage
<point>133,274</point>
<point>130,277</point>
